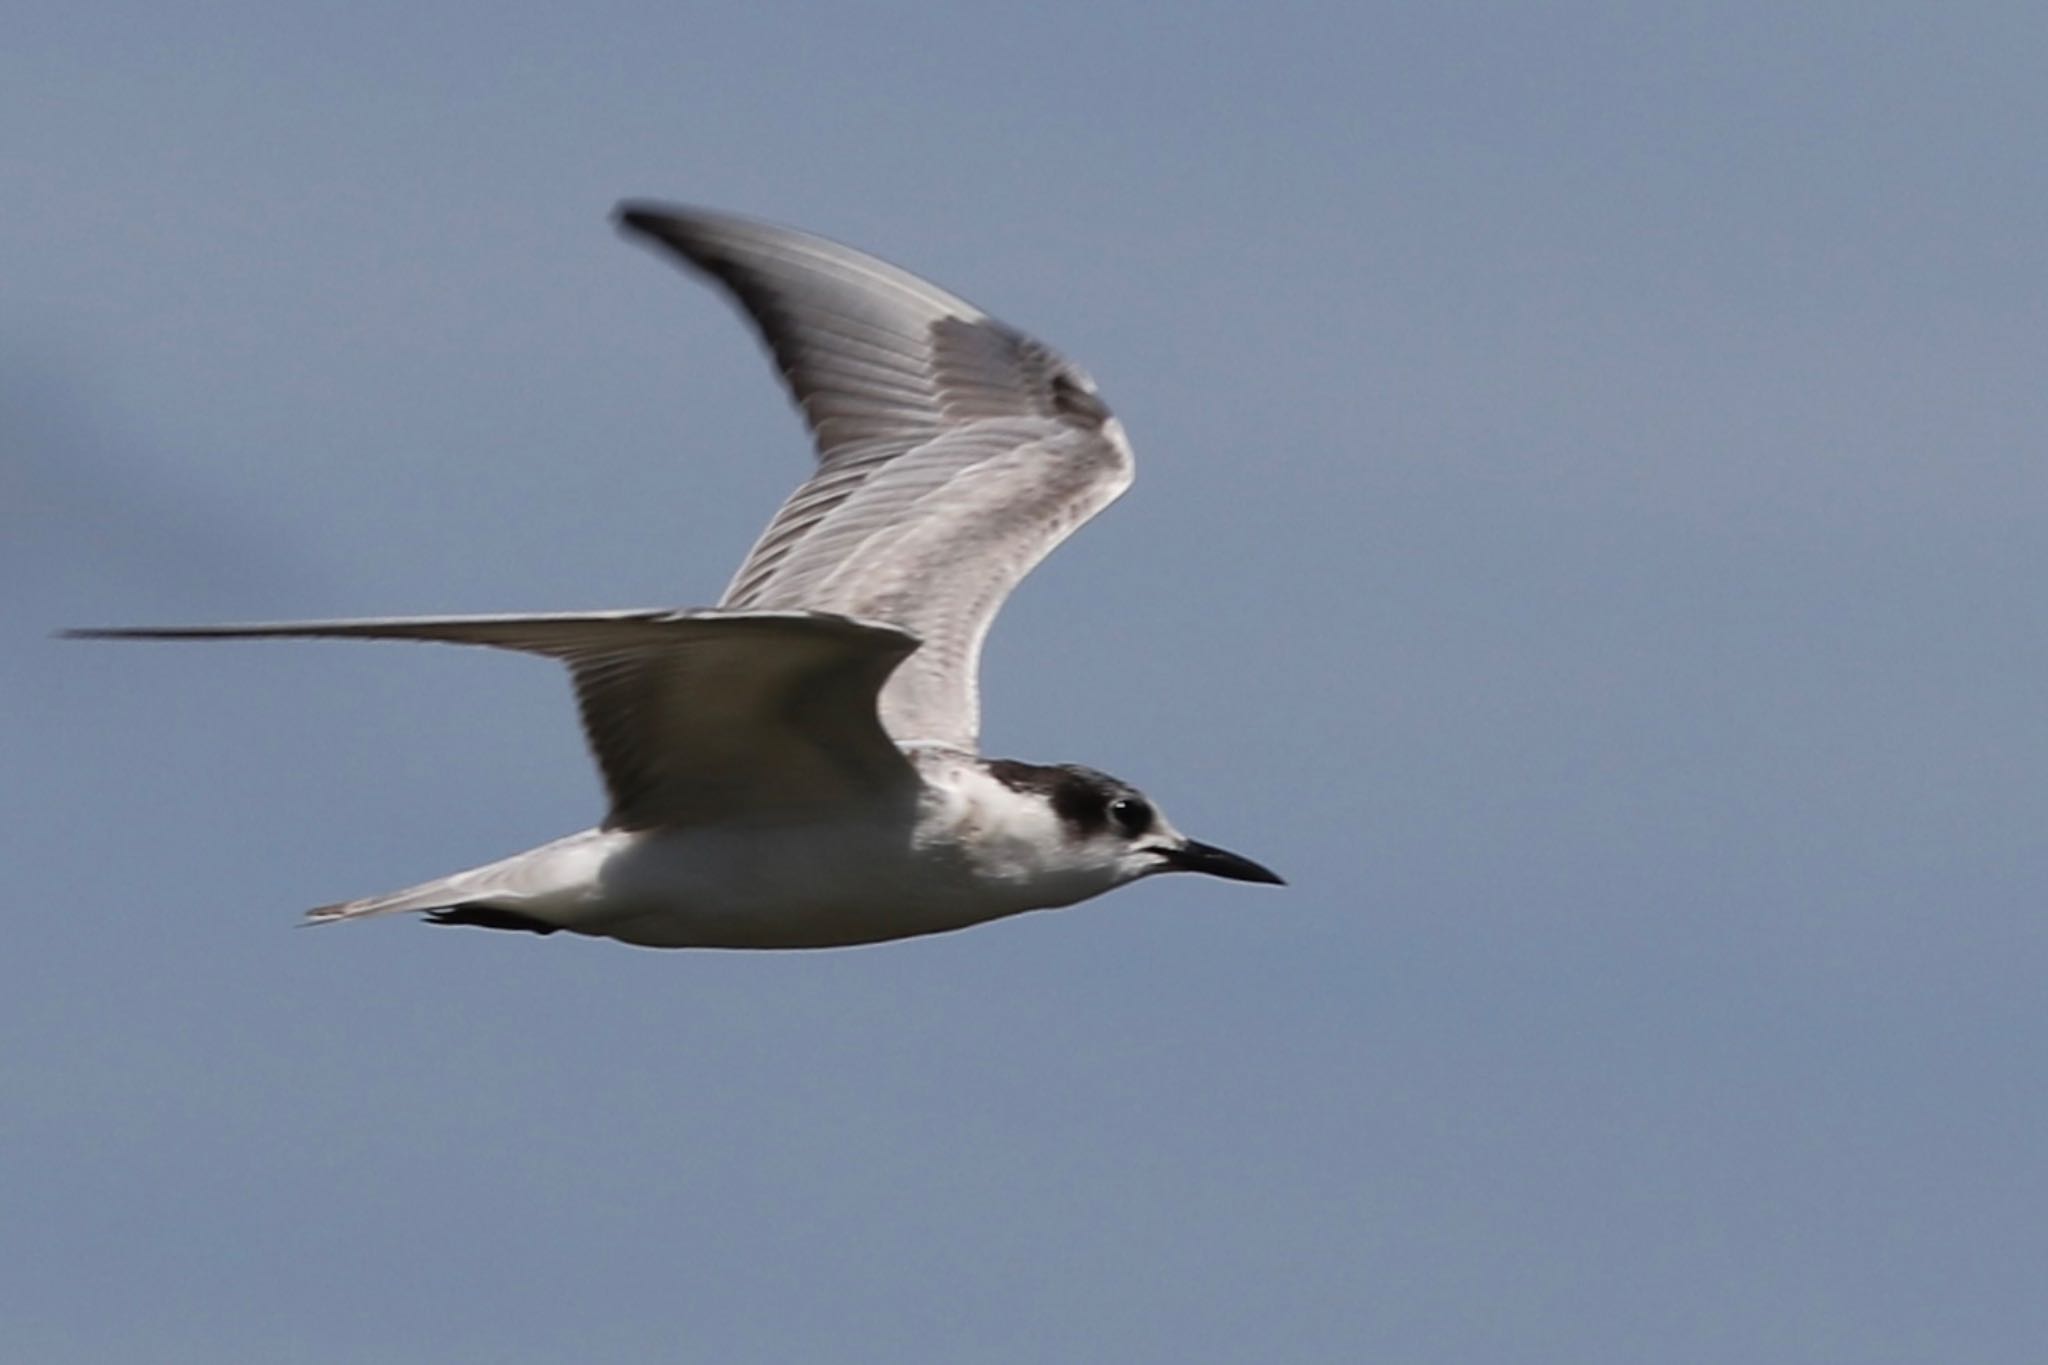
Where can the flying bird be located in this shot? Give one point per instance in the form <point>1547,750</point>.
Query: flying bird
<point>799,766</point>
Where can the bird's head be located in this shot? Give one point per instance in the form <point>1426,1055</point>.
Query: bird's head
<point>1107,826</point>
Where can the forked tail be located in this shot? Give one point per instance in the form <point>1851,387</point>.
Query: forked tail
<point>443,893</point>
<point>540,889</point>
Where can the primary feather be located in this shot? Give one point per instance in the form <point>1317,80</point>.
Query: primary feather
<point>954,452</point>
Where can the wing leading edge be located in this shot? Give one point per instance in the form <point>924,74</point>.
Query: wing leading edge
<point>693,717</point>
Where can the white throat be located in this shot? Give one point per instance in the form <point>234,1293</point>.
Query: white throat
<point>1013,842</point>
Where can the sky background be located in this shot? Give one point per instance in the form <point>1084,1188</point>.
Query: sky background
<point>1588,537</point>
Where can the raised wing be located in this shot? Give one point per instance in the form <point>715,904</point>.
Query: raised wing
<point>694,717</point>
<point>954,452</point>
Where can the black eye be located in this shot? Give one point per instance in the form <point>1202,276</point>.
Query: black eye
<point>1131,814</point>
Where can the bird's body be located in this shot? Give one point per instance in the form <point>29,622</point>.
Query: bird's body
<point>964,850</point>
<point>798,768</point>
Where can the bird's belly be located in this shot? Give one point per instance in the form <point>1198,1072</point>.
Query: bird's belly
<point>784,888</point>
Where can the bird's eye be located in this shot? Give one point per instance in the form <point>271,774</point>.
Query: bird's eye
<point>1132,815</point>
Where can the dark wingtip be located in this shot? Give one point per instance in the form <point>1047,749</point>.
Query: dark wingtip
<point>144,633</point>
<point>640,215</point>
<point>676,225</point>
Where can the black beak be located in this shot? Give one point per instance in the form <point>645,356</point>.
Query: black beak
<point>1194,856</point>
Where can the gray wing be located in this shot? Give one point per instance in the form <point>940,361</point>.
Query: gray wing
<point>693,716</point>
<point>954,452</point>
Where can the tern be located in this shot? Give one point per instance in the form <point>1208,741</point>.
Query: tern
<point>799,766</point>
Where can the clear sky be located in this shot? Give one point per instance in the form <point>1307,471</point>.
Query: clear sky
<point>1589,537</point>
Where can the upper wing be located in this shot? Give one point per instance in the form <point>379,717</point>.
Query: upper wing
<point>693,716</point>
<point>954,452</point>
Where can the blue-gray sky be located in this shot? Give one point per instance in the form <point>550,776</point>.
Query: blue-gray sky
<point>1588,536</point>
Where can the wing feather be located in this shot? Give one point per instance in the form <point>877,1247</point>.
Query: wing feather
<point>694,717</point>
<point>955,452</point>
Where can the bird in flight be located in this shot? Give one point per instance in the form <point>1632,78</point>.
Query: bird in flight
<point>799,767</point>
